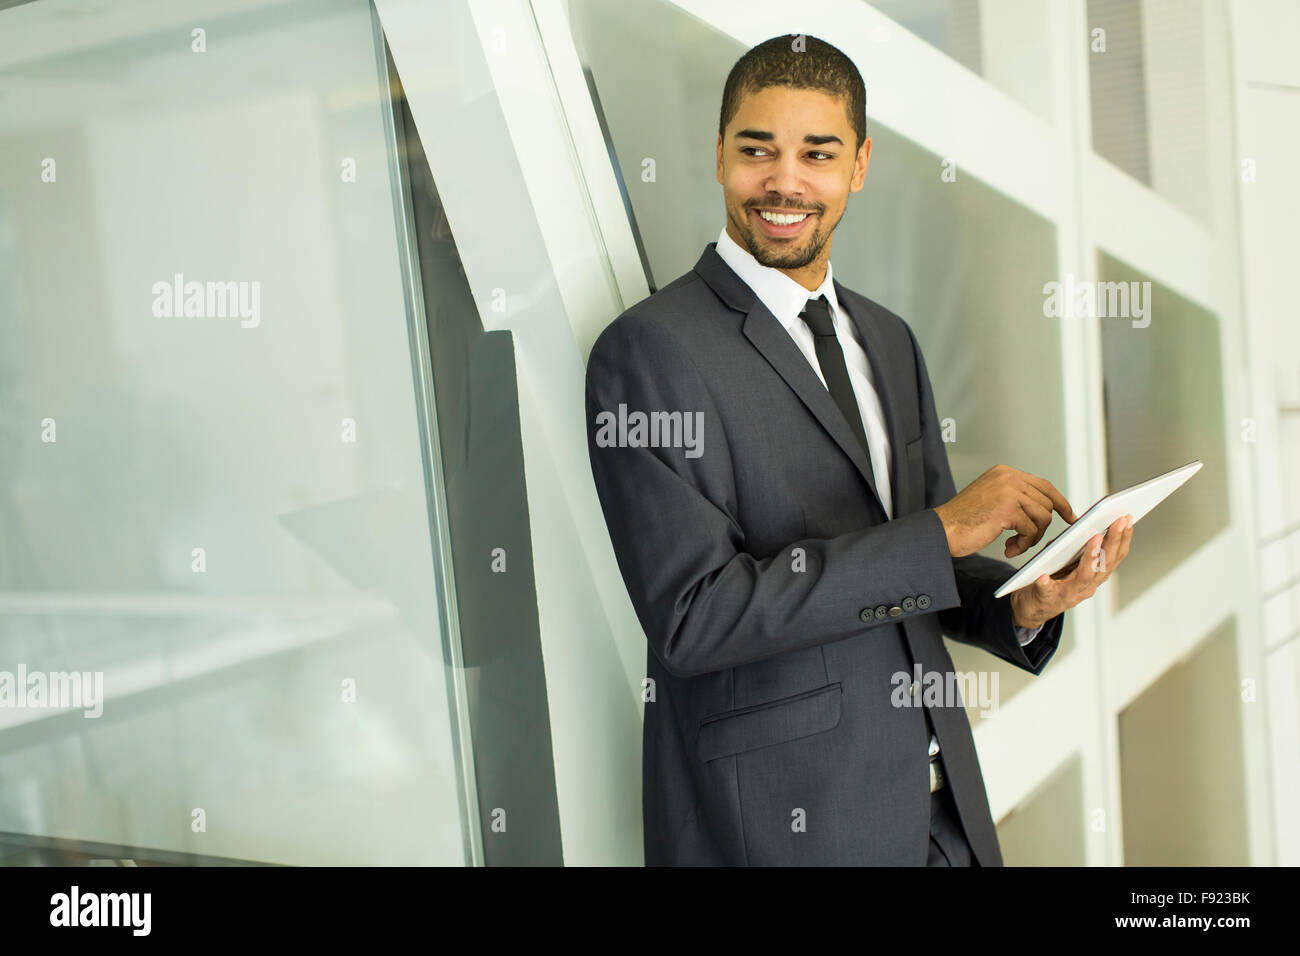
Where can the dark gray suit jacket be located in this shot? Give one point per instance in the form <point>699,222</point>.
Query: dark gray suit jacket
<point>771,738</point>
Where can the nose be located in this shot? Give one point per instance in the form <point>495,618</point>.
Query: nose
<point>786,180</point>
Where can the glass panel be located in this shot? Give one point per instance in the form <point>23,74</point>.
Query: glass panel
<point>960,262</point>
<point>952,26</point>
<point>1147,76</point>
<point>561,743</point>
<point>1047,828</point>
<point>1164,407</point>
<point>1281,680</point>
<point>477,399</point>
<point>218,504</point>
<point>1004,41</point>
<point>1183,736</point>
<point>1118,90</point>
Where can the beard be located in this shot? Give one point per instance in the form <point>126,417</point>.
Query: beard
<point>784,256</point>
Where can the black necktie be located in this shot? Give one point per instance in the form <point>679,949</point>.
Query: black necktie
<point>817,314</point>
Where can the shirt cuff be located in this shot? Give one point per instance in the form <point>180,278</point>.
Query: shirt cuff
<point>1026,634</point>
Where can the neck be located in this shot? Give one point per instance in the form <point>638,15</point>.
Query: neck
<point>810,276</point>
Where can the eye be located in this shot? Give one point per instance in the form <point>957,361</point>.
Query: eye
<point>818,153</point>
<point>756,149</point>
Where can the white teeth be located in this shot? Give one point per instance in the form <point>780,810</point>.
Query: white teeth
<point>781,219</point>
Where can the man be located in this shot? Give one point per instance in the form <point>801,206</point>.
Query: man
<point>767,454</point>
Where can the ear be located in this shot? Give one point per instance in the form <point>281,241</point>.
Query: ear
<point>719,171</point>
<point>860,165</point>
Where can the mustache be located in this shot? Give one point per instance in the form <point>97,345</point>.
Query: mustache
<point>782,204</point>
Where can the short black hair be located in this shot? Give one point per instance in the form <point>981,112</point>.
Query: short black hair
<point>798,61</point>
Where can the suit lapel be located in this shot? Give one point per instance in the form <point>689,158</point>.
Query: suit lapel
<point>766,334</point>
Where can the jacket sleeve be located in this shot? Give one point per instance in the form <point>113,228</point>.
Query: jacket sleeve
<point>704,602</point>
<point>979,619</point>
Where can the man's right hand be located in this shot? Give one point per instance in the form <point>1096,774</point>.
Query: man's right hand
<point>1001,499</point>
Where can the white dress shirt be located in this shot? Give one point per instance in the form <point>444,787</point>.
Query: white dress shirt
<point>785,299</point>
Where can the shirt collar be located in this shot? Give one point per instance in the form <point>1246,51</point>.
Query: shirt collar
<point>783,297</point>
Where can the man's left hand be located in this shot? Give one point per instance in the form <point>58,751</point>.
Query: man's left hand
<point>1037,603</point>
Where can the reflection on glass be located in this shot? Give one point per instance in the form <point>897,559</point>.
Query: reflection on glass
<point>1164,407</point>
<point>962,264</point>
<point>216,500</point>
<point>482,463</point>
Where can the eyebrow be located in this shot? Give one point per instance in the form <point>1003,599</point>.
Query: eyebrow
<point>767,137</point>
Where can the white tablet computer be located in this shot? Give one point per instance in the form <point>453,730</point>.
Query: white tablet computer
<point>1069,544</point>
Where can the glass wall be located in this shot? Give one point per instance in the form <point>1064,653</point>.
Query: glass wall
<point>1003,41</point>
<point>481,456</point>
<point>1147,64</point>
<point>213,491</point>
<point>952,26</point>
<point>1021,833</point>
<point>1183,737</point>
<point>1164,408</point>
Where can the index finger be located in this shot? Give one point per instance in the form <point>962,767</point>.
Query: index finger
<point>1058,500</point>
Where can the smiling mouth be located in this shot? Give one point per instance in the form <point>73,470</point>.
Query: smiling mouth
<point>782,218</point>
<point>782,223</point>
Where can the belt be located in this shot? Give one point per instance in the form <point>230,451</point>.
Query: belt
<point>937,780</point>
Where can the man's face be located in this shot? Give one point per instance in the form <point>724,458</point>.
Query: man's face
<point>789,152</point>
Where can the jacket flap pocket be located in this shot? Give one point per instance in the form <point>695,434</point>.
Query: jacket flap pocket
<point>771,723</point>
